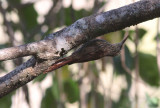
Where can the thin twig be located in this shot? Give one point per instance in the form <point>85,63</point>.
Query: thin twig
<point>136,66</point>
<point>123,57</point>
<point>158,45</point>
<point>125,67</point>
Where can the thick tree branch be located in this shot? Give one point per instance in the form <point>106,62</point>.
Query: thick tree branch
<point>57,44</point>
<point>87,28</point>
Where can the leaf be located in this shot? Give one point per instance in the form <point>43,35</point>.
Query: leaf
<point>155,37</point>
<point>128,61</point>
<point>141,32</point>
<point>6,101</point>
<point>77,14</point>
<point>95,98</point>
<point>65,72</point>
<point>124,101</point>
<point>131,32</point>
<point>149,69</point>
<point>40,78</point>
<point>55,89</point>
<point>71,90</point>
<point>15,2</point>
<point>152,101</point>
<point>29,16</point>
<point>48,100</point>
<point>94,68</point>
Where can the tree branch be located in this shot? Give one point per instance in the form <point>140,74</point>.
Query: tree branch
<point>87,28</point>
<point>59,43</point>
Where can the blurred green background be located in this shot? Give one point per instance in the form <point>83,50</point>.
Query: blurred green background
<point>129,80</point>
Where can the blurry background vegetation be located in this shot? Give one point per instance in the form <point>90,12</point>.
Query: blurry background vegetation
<point>130,80</point>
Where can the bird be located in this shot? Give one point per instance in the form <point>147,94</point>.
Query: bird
<point>91,50</point>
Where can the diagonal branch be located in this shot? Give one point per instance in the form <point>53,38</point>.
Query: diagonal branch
<point>87,28</point>
<point>59,43</point>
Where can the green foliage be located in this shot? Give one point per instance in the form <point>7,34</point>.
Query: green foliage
<point>71,90</point>
<point>52,96</point>
<point>3,46</point>
<point>149,69</point>
<point>131,32</point>
<point>68,19</point>
<point>14,2</point>
<point>141,33</point>
<point>157,35</point>
<point>48,100</point>
<point>124,101</point>
<point>94,68</point>
<point>29,16</point>
<point>40,78</point>
<point>1,62</point>
<point>55,89</point>
<point>129,61</point>
<point>95,98</point>
<point>65,72</point>
<point>76,14</point>
<point>153,102</point>
<point>6,101</point>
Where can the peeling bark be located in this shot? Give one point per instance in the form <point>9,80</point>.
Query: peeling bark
<point>59,43</point>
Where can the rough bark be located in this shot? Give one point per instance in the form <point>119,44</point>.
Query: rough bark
<point>59,43</point>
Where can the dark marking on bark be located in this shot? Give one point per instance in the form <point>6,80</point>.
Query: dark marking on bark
<point>62,52</point>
